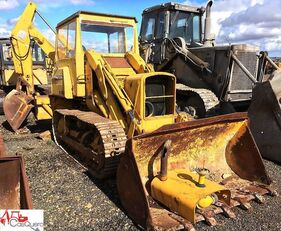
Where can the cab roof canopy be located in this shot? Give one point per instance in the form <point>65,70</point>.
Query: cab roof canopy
<point>94,14</point>
<point>175,6</point>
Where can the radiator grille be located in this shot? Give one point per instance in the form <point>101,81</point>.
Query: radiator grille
<point>239,80</point>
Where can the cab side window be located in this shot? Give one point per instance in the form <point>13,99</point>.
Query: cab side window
<point>148,27</point>
<point>66,41</point>
<point>161,25</point>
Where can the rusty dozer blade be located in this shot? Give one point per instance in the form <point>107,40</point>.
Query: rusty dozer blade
<point>161,177</point>
<point>17,106</point>
<point>265,117</point>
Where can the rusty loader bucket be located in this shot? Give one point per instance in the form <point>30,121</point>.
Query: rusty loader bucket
<point>17,106</point>
<point>14,188</point>
<point>185,173</point>
<point>265,117</point>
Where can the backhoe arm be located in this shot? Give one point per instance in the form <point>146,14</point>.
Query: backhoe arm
<point>21,36</point>
<point>20,40</point>
<point>44,43</point>
<point>18,104</point>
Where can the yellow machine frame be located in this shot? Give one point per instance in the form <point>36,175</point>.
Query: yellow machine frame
<point>72,79</point>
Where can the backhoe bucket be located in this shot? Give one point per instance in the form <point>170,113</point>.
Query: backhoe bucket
<point>17,106</point>
<point>265,117</point>
<point>161,177</point>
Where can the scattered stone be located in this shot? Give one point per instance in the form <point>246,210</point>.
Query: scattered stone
<point>60,186</point>
<point>22,131</point>
<point>46,135</point>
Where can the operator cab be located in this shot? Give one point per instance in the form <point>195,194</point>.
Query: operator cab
<point>103,33</point>
<point>169,21</point>
<point>7,75</point>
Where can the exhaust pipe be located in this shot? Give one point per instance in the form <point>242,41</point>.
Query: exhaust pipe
<point>208,38</point>
<point>164,160</point>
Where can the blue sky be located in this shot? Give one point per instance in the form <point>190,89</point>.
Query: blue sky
<point>55,11</point>
<point>234,21</point>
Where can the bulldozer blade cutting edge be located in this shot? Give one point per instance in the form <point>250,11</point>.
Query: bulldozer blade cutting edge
<point>17,106</point>
<point>223,145</point>
<point>265,117</point>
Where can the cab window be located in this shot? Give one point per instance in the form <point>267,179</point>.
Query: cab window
<point>148,27</point>
<point>161,25</point>
<point>7,53</point>
<point>185,25</point>
<point>106,37</point>
<point>66,41</point>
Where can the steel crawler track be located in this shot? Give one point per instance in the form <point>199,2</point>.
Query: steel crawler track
<point>209,98</point>
<point>78,125</point>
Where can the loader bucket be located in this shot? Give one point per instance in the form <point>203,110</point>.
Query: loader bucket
<point>2,96</point>
<point>265,117</point>
<point>17,106</point>
<point>222,144</point>
<point>14,189</point>
<point>2,147</point>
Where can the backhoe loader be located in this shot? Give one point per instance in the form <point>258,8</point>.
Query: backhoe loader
<point>113,112</point>
<point>28,93</point>
<point>211,79</point>
<point>8,77</point>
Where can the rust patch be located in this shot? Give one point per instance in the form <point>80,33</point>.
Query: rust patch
<point>14,188</point>
<point>117,62</point>
<point>17,106</point>
<point>222,144</point>
<point>2,146</point>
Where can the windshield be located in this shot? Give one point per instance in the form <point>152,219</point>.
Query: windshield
<point>185,25</point>
<point>106,37</point>
<point>7,53</point>
<point>37,54</point>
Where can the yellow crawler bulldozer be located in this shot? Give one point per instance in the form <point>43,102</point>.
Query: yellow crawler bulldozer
<point>111,110</point>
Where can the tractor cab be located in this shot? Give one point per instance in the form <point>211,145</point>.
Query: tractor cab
<point>110,36</point>
<point>7,73</point>
<point>172,20</point>
<point>169,21</point>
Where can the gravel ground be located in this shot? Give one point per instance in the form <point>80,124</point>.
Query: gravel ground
<point>73,201</point>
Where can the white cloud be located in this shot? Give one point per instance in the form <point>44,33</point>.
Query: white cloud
<point>4,32</point>
<point>8,4</point>
<point>258,23</point>
<point>247,21</point>
<point>5,29</point>
<point>12,21</point>
<point>43,4</point>
<point>82,2</point>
